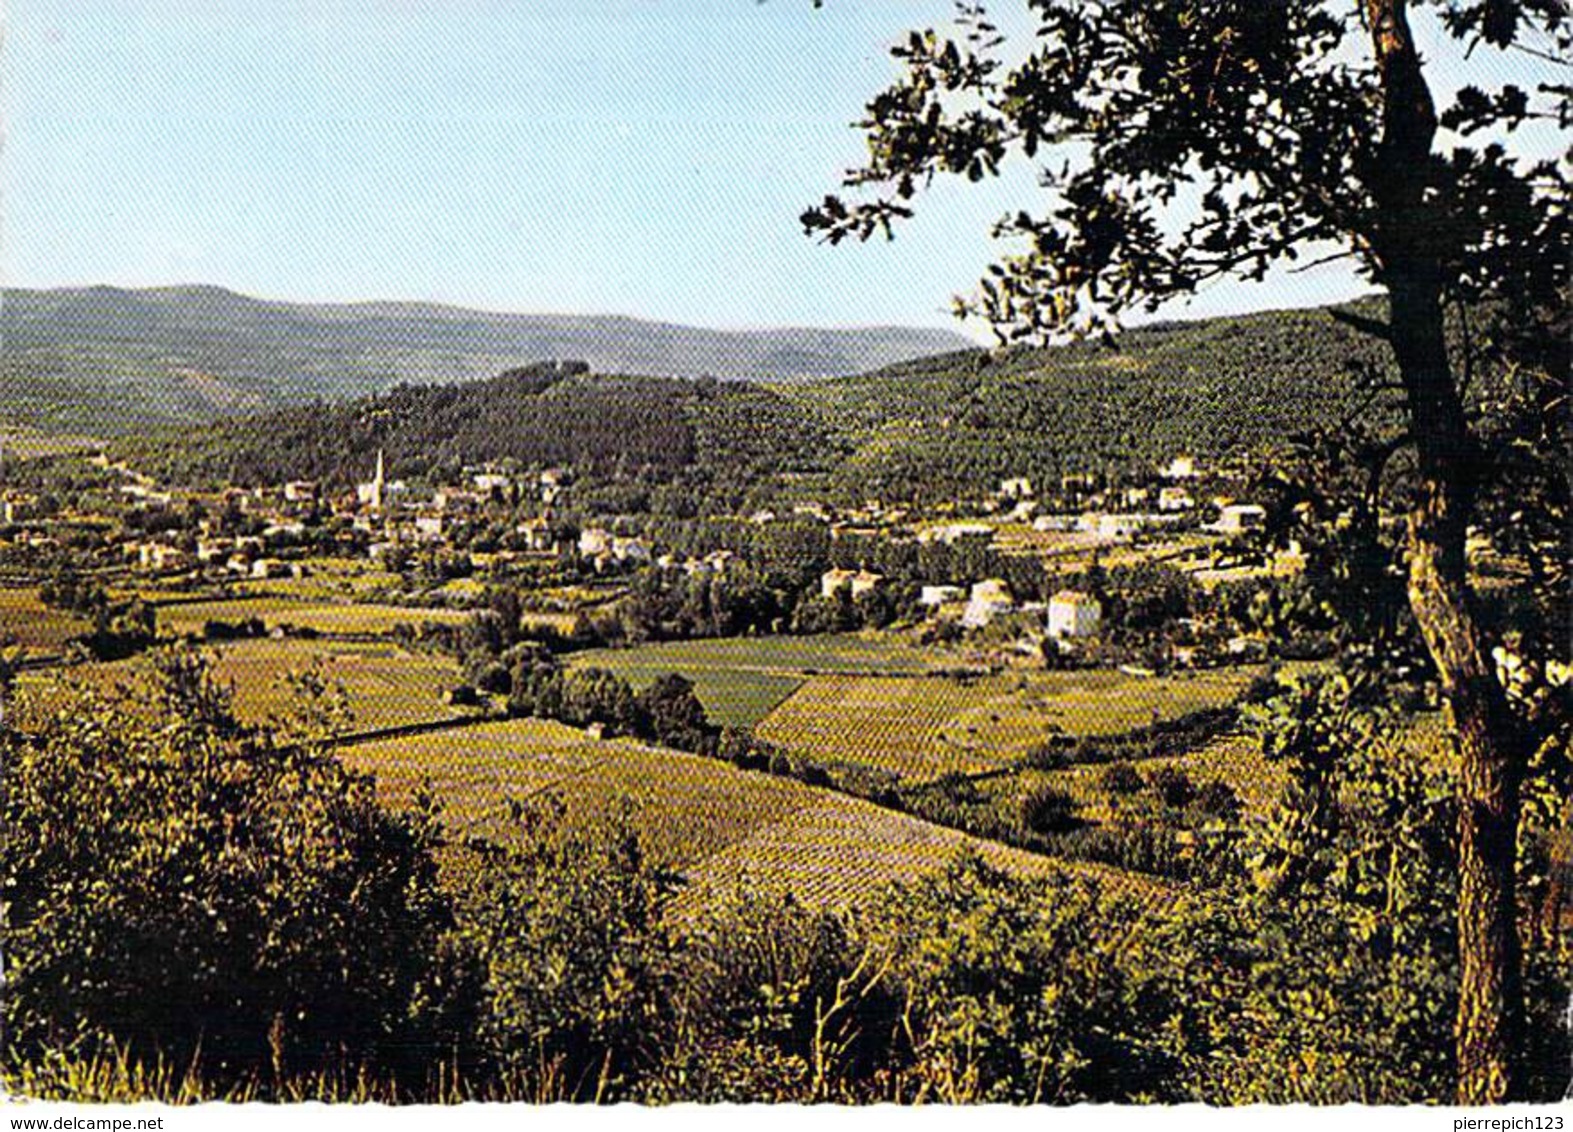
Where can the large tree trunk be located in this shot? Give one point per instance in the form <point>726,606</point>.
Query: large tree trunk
<point>1482,721</point>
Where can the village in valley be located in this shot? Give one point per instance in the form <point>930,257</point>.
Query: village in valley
<point>965,669</point>
<point>190,546</point>
<point>738,664</point>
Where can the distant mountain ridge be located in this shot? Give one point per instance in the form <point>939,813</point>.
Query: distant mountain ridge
<point>108,359</point>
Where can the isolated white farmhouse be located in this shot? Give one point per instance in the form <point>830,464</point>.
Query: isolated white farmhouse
<point>632,550</point>
<point>718,561</point>
<point>428,527</point>
<point>1115,528</point>
<point>537,534</point>
<point>940,595</point>
<point>595,541</point>
<point>1073,613</point>
<point>957,532</point>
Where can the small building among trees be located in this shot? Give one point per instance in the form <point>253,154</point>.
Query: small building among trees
<point>989,599</point>
<point>1074,614</point>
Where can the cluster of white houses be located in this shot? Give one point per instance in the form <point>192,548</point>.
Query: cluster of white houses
<point>280,519</point>
<point>1122,526</point>
<point>1110,515</point>
<point>1070,614</point>
<point>240,557</point>
<point>386,513</point>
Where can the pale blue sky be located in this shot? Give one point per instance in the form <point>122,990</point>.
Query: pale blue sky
<point>643,157</point>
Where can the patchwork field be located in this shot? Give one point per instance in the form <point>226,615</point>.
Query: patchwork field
<point>1234,759</point>
<point>741,680</point>
<point>827,653</point>
<point>839,850</point>
<point>915,727</point>
<point>684,806</point>
<point>188,618</point>
<point>1071,549</point>
<point>42,631</point>
<point>730,699</point>
<point>719,826</point>
<point>327,578</point>
<point>1107,702</point>
<point>922,727</point>
<point>1237,760</point>
<point>386,686</point>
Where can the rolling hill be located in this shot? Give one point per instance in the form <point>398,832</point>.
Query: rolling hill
<point>608,428</point>
<point>956,423</point>
<point>937,427</point>
<point>106,359</point>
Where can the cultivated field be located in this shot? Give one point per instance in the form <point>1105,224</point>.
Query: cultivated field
<point>326,578</point>
<point>912,726</point>
<point>1107,702</point>
<point>922,727</point>
<point>1070,549</point>
<point>832,652</point>
<point>1237,760</point>
<point>719,826</point>
<point>741,680</point>
<point>42,631</point>
<point>684,806</point>
<point>386,687</point>
<point>358,619</point>
<point>730,699</point>
<point>1234,759</point>
<point>838,850</point>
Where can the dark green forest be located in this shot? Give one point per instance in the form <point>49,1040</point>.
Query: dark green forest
<point>606,429</point>
<point>1210,388</point>
<point>947,425</point>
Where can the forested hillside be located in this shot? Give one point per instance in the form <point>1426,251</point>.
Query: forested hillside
<point>549,414</point>
<point>947,425</point>
<point>962,421</point>
<point>107,360</point>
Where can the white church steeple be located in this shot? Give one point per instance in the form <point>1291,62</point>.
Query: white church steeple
<point>372,494</point>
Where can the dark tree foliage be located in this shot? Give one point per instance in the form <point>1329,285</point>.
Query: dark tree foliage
<point>957,424</point>
<point>927,431</point>
<point>565,929</point>
<point>1046,809</point>
<point>196,892</point>
<point>667,712</point>
<point>117,628</point>
<point>676,717</point>
<point>702,437</point>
